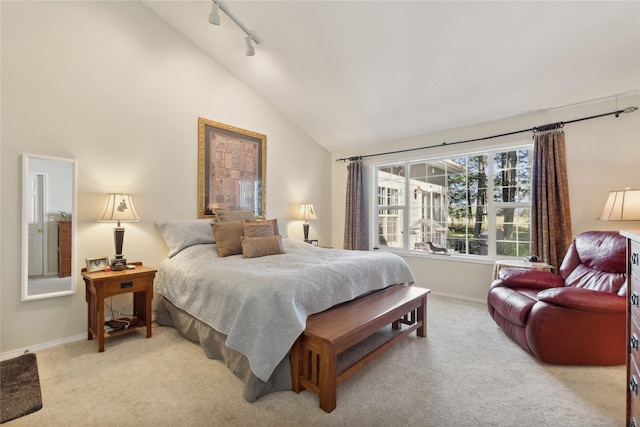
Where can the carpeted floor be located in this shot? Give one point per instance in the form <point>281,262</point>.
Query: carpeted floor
<point>465,373</point>
<point>19,387</point>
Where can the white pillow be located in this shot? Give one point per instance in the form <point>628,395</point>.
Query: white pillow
<point>180,234</point>
<point>283,227</point>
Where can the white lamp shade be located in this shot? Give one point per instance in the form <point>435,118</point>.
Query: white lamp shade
<point>622,205</point>
<point>307,212</point>
<point>119,207</point>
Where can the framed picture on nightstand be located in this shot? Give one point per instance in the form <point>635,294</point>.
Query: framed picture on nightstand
<point>312,242</point>
<point>96,264</point>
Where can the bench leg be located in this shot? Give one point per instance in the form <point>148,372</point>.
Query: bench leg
<point>328,378</point>
<point>422,317</point>
<point>296,362</point>
<point>407,319</point>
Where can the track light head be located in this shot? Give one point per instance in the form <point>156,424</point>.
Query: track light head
<point>250,50</point>
<point>214,16</point>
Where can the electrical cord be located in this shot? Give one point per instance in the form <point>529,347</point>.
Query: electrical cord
<point>109,306</point>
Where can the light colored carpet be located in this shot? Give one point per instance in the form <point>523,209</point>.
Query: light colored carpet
<point>465,373</point>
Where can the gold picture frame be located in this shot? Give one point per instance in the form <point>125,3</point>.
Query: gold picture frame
<point>232,169</point>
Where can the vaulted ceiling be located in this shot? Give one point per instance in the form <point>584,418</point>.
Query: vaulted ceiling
<point>353,73</point>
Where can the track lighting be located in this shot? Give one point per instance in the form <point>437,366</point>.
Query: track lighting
<point>250,50</point>
<point>214,18</point>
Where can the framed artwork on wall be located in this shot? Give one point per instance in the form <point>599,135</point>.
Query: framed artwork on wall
<point>232,169</point>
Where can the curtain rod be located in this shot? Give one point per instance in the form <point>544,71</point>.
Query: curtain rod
<point>533,129</point>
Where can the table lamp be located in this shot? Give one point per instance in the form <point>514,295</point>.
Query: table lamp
<point>119,207</point>
<point>306,212</point>
<point>622,205</point>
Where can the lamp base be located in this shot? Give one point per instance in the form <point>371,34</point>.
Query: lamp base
<point>118,236</point>
<point>306,231</point>
<point>118,260</point>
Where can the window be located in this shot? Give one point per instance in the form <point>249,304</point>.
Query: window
<point>476,204</point>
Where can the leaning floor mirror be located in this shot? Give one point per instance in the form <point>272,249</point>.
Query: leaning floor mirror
<point>48,227</point>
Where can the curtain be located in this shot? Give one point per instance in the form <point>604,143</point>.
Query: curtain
<point>356,235</point>
<point>551,233</point>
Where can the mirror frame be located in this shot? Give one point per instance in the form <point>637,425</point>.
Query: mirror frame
<point>25,228</point>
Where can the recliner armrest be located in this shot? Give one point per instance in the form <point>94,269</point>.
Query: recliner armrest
<point>583,299</point>
<point>532,279</point>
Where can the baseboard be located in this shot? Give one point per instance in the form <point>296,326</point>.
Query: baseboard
<point>458,296</point>
<point>34,348</point>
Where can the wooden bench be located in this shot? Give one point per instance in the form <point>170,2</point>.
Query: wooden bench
<point>314,355</point>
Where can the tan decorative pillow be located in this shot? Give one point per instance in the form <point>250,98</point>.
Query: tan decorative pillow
<point>273,222</point>
<point>253,247</point>
<point>259,229</point>
<point>227,235</point>
<point>229,215</point>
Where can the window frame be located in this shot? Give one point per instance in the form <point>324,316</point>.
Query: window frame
<point>404,206</point>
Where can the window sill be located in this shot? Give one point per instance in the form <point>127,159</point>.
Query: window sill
<point>448,258</point>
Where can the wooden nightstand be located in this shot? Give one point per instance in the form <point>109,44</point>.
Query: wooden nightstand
<point>104,284</point>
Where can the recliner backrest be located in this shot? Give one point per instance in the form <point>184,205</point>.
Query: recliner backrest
<point>596,260</point>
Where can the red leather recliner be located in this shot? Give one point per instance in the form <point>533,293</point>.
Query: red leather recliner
<point>576,317</point>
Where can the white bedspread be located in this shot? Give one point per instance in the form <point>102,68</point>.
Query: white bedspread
<point>262,304</point>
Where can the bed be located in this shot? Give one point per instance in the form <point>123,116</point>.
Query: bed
<point>248,312</point>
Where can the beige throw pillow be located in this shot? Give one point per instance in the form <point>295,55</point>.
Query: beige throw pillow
<point>273,222</point>
<point>229,215</point>
<point>227,235</point>
<point>260,229</point>
<point>253,247</point>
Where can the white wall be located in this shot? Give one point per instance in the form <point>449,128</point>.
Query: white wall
<point>603,154</point>
<point>111,85</point>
